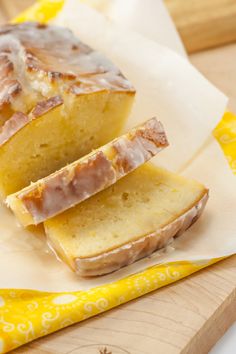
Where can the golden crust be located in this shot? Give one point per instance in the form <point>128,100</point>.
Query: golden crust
<point>147,139</point>
<point>43,107</point>
<point>6,66</point>
<point>19,119</point>
<point>10,86</point>
<point>9,89</point>
<point>12,126</point>
<point>154,133</point>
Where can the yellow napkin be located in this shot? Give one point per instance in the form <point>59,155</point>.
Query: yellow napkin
<point>42,11</point>
<point>225,133</point>
<point>26,314</point>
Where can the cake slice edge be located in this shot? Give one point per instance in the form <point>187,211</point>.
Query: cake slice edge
<point>89,175</point>
<point>133,251</point>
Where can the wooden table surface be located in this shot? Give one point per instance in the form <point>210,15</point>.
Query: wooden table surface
<point>185,317</point>
<point>201,23</point>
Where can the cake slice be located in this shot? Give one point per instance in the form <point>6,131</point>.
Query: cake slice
<point>59,99</point>
<point>88,175</point>
<point>131,219</point>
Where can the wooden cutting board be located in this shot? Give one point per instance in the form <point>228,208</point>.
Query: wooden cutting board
<point>185,317</point>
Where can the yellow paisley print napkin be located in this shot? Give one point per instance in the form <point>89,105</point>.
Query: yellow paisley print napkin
<point>27,314</point>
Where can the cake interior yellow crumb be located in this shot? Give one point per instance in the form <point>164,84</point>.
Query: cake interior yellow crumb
<point>61,136</point>
<point>139,204</point>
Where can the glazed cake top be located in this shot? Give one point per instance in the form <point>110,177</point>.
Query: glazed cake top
<point>38,61</point>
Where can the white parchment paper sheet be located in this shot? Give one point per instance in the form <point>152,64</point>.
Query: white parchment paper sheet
<point>149,18</point>
<point>168,86</point>
<point>189,106</point>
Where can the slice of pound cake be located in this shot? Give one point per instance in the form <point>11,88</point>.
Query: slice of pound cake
<point>88,175</point>
<point>128,221</point>
<point>59,99</point>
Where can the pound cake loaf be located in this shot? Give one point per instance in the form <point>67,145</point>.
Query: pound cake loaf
<point>59,99</point>
<point>88,175</point>
<point>131,219</point>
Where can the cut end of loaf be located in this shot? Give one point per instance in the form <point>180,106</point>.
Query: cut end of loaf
<point>51,101</point>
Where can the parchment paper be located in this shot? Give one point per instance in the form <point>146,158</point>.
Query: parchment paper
<point>149,18</point>
<point>168,86</point>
